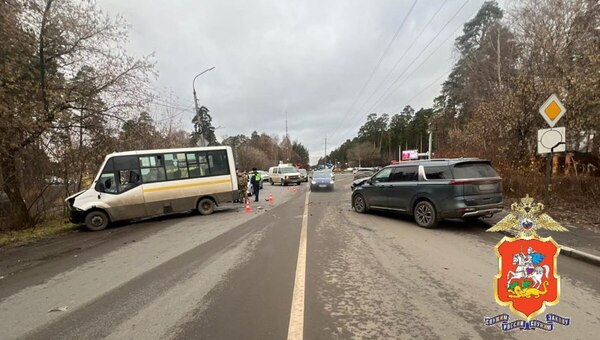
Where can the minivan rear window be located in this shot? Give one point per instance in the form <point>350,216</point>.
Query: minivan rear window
<point>474,170</point>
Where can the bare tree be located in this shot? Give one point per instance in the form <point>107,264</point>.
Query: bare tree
<point>67,73</point>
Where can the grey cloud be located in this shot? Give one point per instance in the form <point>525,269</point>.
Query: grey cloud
<point>309,58</point>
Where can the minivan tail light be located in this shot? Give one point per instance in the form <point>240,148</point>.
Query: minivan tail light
<point>474,181</point>
<point>462,182</point>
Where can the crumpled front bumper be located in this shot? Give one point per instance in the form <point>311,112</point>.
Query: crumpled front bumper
<point>76,216</point>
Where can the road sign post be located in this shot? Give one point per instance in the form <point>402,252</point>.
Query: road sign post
<point>549,172</point>
<point>550,140</point>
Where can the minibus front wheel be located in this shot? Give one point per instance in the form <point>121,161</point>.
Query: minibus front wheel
<point>206,206</point>
<point>96,220</point>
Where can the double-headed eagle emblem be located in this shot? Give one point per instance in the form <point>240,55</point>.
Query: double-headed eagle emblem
<point>525,218</point>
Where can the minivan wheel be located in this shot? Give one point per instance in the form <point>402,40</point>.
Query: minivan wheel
<point>96,220</point>
<point>206,206</point>
<point>359,204</point>
<point>271,181</point>
<point>425,214</point>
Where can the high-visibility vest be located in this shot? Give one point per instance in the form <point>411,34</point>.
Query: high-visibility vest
<point>257,177</point>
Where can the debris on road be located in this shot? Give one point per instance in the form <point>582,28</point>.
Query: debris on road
<point>59,309</point>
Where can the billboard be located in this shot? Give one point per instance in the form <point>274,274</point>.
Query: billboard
<point>410,154</point>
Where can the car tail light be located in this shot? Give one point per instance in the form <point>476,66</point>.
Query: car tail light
<point>461,182</point>
<point>474,181</point>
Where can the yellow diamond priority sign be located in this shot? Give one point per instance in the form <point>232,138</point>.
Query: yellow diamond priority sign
<point>552,110</point>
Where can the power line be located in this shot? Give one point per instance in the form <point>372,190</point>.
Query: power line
<point>424,89</point>
<point>385,52</point>
<point>419,54</point>
<point>172,106</point>
<point>170,99</point>
<point>415,59</point>
<point>402,56</point>
<point>412,62</point>
<point>427,58</point>
<point>166,98</point>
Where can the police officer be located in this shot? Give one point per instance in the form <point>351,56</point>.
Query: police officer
<point>255,181</point>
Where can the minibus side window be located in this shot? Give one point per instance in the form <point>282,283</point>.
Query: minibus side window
<point>203,162</point>
<point>176,166</point>
<point>108,181</point>
<point>193,167</point>
<point>128,179</point>
<point>119,175</point>
<point>127,168</point>
<point>217,161</point>
<point>152,168</point>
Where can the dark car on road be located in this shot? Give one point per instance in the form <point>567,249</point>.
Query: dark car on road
<point>431,190</point>
<point>303,175</point>
<point>321,180</point>
<point>363,173</point>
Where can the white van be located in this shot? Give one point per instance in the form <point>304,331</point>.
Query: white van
<point>284,174</point>
<point>136,184</point>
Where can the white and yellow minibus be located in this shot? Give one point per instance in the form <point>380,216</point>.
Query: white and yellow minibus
<point>137,184</point>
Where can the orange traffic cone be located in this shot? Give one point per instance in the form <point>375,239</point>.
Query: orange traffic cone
<point>270,199</point>
<point>295,190</point>
<point>248,209</point>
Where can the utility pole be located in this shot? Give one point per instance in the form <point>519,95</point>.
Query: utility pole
<point>400,153</point>
<point>400,148</point>
<point>196,106</point>
<point>286,128</point>
<point>430,143</point>
<point>498,52</point>
<point>287,139</point>
<point>325,152</point>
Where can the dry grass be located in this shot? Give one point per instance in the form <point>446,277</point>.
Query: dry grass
<point>44,230</point>
<point>573,200</point>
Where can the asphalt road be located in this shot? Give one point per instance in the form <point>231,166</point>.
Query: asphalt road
<point>307,267</point>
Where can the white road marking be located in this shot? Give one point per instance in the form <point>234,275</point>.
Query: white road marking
<point>296,326</point>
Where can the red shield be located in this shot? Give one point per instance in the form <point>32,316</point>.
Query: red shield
<point>527,279</point>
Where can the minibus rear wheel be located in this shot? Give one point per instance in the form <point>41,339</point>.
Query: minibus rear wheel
<point>96,220</point>
<point>206,206</point>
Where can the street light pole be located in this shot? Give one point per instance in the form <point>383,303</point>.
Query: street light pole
<point>325,152</point>
<point>196,105</point>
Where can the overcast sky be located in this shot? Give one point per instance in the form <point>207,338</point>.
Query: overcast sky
<point>307,58</point>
